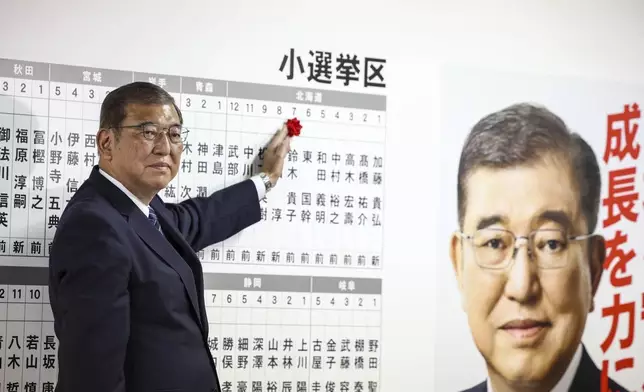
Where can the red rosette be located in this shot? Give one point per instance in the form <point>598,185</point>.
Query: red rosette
<point>294,127</point>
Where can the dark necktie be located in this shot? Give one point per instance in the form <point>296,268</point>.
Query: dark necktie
<point>152,217</point>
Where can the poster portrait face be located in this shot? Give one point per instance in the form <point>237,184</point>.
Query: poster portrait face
<point>525,259</point>
<point>537,277</point>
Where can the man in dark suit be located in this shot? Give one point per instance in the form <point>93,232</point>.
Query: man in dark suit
<point>126,286</point>
<point>525,181</point>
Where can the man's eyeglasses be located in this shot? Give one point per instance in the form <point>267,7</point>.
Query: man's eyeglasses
<point>496,248</point>
<point>152,132</point>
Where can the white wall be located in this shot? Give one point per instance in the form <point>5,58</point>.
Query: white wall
<point>597,39</point>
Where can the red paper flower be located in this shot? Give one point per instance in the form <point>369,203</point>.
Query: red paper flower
<point>294,127</point>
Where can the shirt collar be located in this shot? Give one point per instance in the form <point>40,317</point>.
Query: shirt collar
<point>566,380</point>
<point>142,206</point>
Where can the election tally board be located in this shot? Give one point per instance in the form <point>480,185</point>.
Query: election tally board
<point>273,333</point>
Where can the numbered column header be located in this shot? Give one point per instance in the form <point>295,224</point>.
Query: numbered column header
<point>251,282</point>
<point>28,276</point>
<point>23,69</point>
<point>190,85</point>
<point>333,285</point>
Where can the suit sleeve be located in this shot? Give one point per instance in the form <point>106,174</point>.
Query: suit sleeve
<point>89,291</point>
<point>204,221</point>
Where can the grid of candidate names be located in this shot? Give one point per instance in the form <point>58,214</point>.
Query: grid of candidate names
<point>326,211</point>
<point>267,332</point>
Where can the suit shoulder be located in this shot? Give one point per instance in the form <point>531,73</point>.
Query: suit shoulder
<point>87,221</point>
<point>87,205</point>
<point>86,238</point>
<point>589,377</point>
<point>615,387</point>
<point>481,387</point>
<point>87,213</point>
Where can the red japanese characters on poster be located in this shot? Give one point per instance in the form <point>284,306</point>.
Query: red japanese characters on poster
<point>623,204</point>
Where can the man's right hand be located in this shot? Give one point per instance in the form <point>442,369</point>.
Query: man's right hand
<point>275,154</point>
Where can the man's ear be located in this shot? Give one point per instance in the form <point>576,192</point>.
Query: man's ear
<point>105,141</point>
<point>597,257</point>
<point>456,255</point>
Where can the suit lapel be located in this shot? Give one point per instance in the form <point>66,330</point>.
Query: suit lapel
<point>155,240</point>
<point>187,253</point>
<point>148,233</point>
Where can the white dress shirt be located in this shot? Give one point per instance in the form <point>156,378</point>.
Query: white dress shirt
<point>566,380</point>
<point>259,184</point>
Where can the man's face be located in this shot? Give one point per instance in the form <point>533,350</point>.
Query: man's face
<point>525,198</point>
<point>145,166</point>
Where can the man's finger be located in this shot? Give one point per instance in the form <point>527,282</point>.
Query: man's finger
<point>279,137</point>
